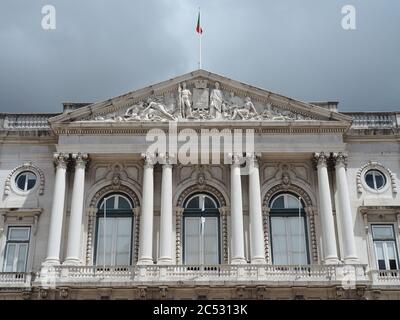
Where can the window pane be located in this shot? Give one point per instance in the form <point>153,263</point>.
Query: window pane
<point>208,203</point>
<point>123,203</point>
<point>123,241</point>
<point>383,232</point>
<point>392,264</point>
<point>298,245</point>
<point>379,180</point>
<point>194,203</point>
<point>18,234</point>
<point>192,240</point>
<point>279,240</point>
<point>369,179</point>
<point>9,264</point>
<point>21,181</point>
<point>292,202</point>
<point>210,247</point>
<point>109,225</point>
<point>278,203</point>
<point>22,256</point>
<point>381,265</point>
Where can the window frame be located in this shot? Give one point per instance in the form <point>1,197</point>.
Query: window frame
<point>110,214</point>
<point>288,212</point>
<point>211,212</point>
<point>373,171</point>
<point>26,173</point>
<point>8,241</point>
<point>394,239</point>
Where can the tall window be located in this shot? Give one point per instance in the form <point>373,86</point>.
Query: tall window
<point>16,254</point>
<point>385,247</point>
<point>288,230</point>
<point>114,231</point>
<point>201,231</point>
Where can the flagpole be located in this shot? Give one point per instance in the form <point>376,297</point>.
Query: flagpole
<point>200,50</point>
<point>200,35</point>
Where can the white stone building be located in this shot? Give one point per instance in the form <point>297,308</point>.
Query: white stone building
<point>88,211</point>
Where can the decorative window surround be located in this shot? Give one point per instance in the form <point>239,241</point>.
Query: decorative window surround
<point>224,211</point>
<point>19,217</point>
<point>10,184</point>
<point>379,215</point>
<point>309,210</point>
<point>116,186</point>
<point>371,165</point>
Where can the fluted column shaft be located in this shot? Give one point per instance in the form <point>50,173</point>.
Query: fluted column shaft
<point>325,201</point>
<point>237,213</point>
<point>257,249</point>
<point>57,211</point>
<point>346,217</point>
<point>166,213</point>
<point>75,223</point>
<point>146,219</point>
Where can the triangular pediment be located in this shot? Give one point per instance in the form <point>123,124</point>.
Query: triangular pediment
<point>198,96</point>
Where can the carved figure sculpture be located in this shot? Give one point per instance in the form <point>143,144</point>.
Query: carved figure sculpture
<point>216,102</point>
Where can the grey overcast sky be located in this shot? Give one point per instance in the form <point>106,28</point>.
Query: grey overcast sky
<point>102,48</point>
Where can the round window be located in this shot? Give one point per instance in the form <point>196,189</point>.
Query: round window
<point>26,180</point>
<point>375,179</point>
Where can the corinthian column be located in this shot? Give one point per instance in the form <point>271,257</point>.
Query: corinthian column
<point>166,212</point>
<point>325,208</point>
<point>146,219</point>
<point>236,213</point>
<point>75,222</point>
<point>346,217</point>
<point>57,211</point>
<point>257,250</point>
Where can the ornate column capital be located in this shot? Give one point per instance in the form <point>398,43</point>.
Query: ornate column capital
<point>149,159</point>
<point>61,160</point>
<point>253,158</point>
<point>235,158</point>
<point>81,159</point>
<point>320,159</point>
<point>339,159</point>
<point>167,159</point>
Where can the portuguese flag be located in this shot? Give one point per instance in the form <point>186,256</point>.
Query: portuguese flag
<point>199,30</point>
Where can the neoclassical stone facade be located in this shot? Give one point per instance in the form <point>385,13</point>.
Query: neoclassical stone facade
<point>308,209</point>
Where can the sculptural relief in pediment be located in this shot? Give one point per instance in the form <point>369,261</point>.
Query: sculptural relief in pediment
<point>201,100</point>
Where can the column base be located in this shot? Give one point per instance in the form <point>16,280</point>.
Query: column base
<point>165,260</point>
<point>72,262</point>
<point>238,261</point>
<point>145,261</point>
<point>258,260</point>
<point>351,260</point>
<point>49,262</point>
<point>332,260</point>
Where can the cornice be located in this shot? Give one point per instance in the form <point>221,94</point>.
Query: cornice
<point>259,127</point>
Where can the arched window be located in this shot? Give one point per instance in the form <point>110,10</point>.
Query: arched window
<point>114,231</point>
<point>288,230</point>
<point>201,240</point>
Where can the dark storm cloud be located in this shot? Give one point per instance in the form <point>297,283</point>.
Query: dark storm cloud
<point>104,48</point>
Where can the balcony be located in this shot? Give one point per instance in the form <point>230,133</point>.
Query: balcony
<point>217,275</point>
<point>385,277</point>
<point>15,279</point>
<point>267,275</point>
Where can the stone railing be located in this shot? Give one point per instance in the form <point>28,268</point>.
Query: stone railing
<point>385,277</point>
<point>25,121</point>
<point>126,275</point>
<point>339,275</point>
<point>374,120</point>
<point>15,279</point>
